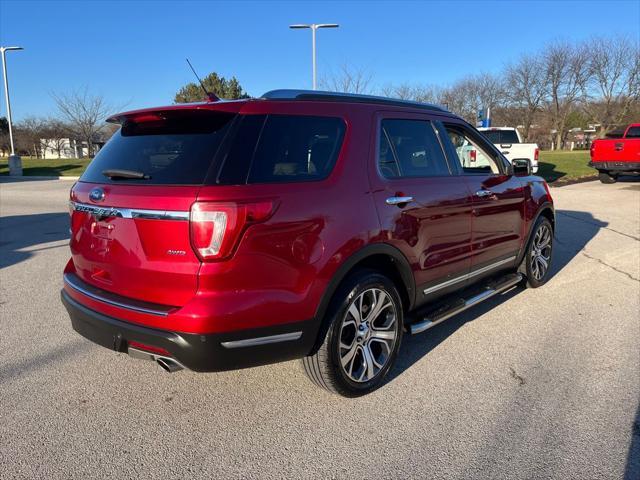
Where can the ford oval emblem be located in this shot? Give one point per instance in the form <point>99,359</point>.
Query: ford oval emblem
<point>96,195</point>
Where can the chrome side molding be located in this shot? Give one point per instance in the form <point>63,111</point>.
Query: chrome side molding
<point>106,212</point>
<point>469,275</point>
<point>252,342</point>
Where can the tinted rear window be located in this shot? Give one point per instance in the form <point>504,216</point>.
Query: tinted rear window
<point>282,148</point>
<point>172,148</point>
<point>501,136</point>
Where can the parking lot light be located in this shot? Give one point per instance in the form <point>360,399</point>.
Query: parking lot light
<point>15,164</point>
<point>314,27</point>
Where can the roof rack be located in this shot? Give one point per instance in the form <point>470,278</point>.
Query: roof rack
<point>290,94</point>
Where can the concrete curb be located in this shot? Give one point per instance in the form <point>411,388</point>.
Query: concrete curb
<point>26,178</point>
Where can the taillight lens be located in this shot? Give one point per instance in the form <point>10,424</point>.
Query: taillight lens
<point>472,156</point>
<point>216,228</point>
<point>536,154</point>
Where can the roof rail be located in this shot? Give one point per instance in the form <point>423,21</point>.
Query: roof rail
<point>290,94</point>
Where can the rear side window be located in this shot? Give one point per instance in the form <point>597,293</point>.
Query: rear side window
<point>282,148</point>
<point>501,136</point>
<point>170,148</point>
<point>410,148</point>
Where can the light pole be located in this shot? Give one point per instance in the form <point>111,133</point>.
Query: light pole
<point>314,27</point>
<point>15,164</point>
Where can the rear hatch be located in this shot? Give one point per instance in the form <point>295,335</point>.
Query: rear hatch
<point>130,209</point>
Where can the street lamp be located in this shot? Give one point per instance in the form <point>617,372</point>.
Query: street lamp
<point>314,27</point>
<point>15,164</point>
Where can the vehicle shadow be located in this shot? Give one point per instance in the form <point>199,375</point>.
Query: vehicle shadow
<point>574,231</point>
<point>632,470</point>
<point>19,233</point>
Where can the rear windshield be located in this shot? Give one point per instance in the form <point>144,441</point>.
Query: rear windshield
<point>282,148</point>
<point>171,147</point>
<point>501,136</point>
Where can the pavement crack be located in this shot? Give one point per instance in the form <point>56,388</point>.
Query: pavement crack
<point>610,266</point>
<point>599,225</point>
<point>521,381</point>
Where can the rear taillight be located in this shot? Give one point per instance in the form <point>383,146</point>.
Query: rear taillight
<point>592,149</point>
<point>536,154</point>
<point>472,156</point>
<point>216,228</point>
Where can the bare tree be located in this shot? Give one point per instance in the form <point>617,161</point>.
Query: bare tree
<point>85,114</point>
<point>526,89</point>
<point>467,96</point>
<point>566,72</point>
<point>417,93</point>
<point>56,136</point>
<point>348,79</point>
<point>614,76</point>
<point>28,134</point>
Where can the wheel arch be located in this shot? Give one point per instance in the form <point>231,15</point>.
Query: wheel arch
<point>380,257</point>
<point>546,210</point>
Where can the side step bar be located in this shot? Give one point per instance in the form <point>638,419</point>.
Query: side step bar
<point>460,305</point>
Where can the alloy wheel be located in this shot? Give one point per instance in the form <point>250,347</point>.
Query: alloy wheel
<point>541,252</point>
<point>368,335</point>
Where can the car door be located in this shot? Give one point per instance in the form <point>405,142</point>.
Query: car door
<point>424,210</point>
<point>498,198</point>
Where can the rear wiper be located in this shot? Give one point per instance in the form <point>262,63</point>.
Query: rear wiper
<point>115,173</point>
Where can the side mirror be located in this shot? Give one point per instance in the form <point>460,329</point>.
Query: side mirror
<point>521,167</point>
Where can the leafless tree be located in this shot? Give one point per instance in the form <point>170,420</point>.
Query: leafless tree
<point>566,71</point>
<point>417,93</point>
<point>526,89</point>
<point>85,114</point>
<point>28,135</point>
<point>55,136</point>
<point>348,79</point>
<point>467,96</point>
<point>614,78</point>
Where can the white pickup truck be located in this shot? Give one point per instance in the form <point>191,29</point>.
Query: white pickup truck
<point>509,142</point>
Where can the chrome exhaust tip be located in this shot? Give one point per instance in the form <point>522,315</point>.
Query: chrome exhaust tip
<point>168,364</point>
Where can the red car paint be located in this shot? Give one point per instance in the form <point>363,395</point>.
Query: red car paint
<point>283,266</point>
<point>618,155</point>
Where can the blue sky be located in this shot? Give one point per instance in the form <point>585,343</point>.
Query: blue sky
<point>133,52</point>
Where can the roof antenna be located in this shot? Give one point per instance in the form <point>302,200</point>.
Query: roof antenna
<point>212,97</point>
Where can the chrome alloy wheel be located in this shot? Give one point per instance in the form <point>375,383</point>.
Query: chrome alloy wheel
<point>541,252</point>
<point>368,335</point>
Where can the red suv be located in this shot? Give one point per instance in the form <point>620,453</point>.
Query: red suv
<point>311,225</point>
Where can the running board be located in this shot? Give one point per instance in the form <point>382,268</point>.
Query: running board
<point>460,305</point>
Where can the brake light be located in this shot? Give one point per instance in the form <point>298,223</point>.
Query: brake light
<point>536,154</point>
<point>472,156</point>
<point>216,228</point>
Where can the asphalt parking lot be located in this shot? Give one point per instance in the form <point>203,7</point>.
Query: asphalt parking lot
<point>532,384</point>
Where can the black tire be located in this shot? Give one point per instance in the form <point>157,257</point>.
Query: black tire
<point>324,367</point>
<point>605,177</point>
<point>532,265</point>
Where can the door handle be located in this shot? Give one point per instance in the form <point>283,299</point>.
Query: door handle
<point>484,193</point>
<point>618,147</point>
<point>398,200</point>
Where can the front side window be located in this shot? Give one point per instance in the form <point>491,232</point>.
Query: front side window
<point>410,148</point>
<point>473,159</point>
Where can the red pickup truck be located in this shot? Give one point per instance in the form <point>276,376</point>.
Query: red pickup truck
<point>617,155</point>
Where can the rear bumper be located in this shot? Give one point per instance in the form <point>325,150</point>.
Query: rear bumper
<point>616,166</point>
<point>202,353</point>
